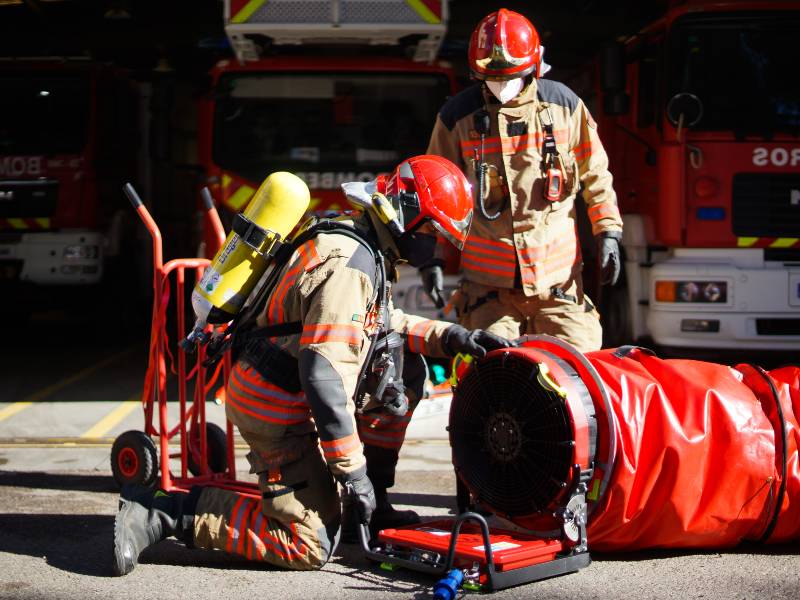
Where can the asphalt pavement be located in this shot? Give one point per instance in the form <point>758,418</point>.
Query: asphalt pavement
<point>56,531</point>
<point>58,500</point>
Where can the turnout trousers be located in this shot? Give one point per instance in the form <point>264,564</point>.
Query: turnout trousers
<point>295,524</point>
<point>569,315</point>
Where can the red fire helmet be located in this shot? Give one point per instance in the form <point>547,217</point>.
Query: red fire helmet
<point>504,45</point>
<point>430,188</point>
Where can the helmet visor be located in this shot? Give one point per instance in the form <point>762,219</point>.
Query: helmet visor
<point>459,232</point>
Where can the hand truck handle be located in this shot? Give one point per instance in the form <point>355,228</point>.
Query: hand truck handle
<point>130,192</point>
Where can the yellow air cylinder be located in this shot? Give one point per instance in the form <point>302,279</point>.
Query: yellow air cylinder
<point>276,207</point>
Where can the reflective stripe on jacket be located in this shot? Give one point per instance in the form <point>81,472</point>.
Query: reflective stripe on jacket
<point>532,234</point>
<point>328,286</point>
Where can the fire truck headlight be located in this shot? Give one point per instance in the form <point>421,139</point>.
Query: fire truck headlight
<point>81,252</point>
<point>688,291</point>
<point>712,292</point>
<point>715,291</point>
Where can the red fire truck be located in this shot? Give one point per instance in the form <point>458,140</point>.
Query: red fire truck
<point>324,90</point>
<point>67,142</point>
<point>700,114</point>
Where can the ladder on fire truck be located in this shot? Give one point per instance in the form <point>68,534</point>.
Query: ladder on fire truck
<point>372,22</point>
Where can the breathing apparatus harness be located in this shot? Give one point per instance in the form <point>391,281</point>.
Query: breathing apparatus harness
<point>553,179</point>
<point>378,374</point>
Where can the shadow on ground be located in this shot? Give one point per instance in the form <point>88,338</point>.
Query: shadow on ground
<point>76,543</point>
<point>59,481</point>
<point>656,554</point>
<point>426,500</point>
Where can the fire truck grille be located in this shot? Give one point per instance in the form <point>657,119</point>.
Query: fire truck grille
<point>377,12</point>
<point>766,205</point>
<point>28,199</point>
<point>511,438</point>
<point>349,12</point>
<point>291,11</point>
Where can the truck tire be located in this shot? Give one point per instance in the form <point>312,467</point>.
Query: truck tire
<point>216,447</point>
<point>134,459</point>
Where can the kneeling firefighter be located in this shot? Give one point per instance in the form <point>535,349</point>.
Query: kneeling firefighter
<point>318,359</point>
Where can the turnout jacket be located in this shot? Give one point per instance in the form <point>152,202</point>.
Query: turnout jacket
<point>533,237</point>
<point>328,285</point>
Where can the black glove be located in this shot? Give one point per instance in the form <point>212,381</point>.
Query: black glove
<point>362,494</point>
<point>608,260</point>
<point>433,282</point>
<point>476,342</point>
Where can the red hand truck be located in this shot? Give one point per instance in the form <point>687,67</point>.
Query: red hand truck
<point>206,451</point>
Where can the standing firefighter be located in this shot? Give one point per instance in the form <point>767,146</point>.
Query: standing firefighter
<point>294,388</point>
<point>531,145</point>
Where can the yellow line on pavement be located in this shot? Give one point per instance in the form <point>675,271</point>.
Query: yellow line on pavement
<point>107,423</point>
<point>419,442</point>
<point>74,442</point>
<point>61,445</point>
<point>13,409</point>
<point>51,389</point>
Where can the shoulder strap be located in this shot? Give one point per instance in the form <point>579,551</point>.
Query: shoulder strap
<point>369,241</point>
<point>549,149</point>
<point>242,327</point>
<point>366,239</point>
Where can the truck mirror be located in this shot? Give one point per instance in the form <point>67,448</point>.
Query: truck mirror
<point>612,67</point>
<point>616,103</point>
<point>684,105</point>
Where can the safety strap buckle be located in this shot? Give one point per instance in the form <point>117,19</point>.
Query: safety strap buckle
<point>549,150</point>
<point>263,241</point>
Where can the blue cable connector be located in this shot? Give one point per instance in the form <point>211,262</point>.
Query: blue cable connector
<point>446,588</point>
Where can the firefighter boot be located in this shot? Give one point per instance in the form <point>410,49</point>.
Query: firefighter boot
<point>350,521</point>
<point>387,516</point>
<point>146,517</point>
<point>381,466</point>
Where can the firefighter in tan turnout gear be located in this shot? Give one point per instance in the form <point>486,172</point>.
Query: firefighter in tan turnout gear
<point>529,145</point>
<point>294,388</point>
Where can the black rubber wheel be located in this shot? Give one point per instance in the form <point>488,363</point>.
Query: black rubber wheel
<point>134,459</point>
<point>217,450</point>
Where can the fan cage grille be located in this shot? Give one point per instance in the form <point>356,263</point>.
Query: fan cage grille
<point>512,438</point>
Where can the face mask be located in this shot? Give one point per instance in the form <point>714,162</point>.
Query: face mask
<point>505,90</point>
<point>416,248</point>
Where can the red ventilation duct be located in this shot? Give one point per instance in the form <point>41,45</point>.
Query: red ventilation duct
<point>667,453</point>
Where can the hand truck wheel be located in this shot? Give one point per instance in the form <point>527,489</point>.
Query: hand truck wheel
<point>216,450</point>
<point>134,459</point>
